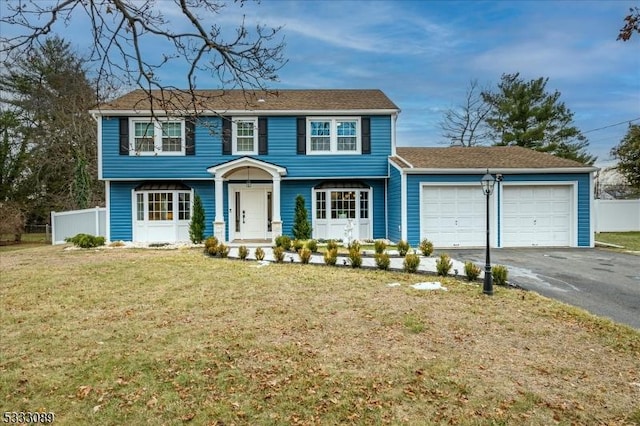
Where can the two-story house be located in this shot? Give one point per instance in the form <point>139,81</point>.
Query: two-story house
<point>248,155</point>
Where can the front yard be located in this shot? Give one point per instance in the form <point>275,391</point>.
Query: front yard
<point>628,240</point>
<point>124,336</point>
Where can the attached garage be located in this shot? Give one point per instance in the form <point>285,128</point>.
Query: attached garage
<point>537,215</point>
<point>453,215</point>
<point>539,200</point>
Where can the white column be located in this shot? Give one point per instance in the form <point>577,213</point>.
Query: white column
<point>276,221</point>
<point>218,223</point>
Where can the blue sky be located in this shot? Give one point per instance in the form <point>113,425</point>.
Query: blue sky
<point>423,54</point>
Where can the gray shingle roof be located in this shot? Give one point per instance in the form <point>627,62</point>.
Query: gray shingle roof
<point>494,157</point>
<point>238,100</point>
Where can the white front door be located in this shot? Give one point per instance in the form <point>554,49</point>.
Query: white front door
<point>250,213</point>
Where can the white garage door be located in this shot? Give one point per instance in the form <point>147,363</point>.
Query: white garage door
<point>536,216</point>
<point>453,216</point>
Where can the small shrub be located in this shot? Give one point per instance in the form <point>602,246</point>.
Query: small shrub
<point>403,248</point>
<point>500,274</point>
<point>297,245</point>
<point>312,245</point>
<point>444,264</point>
<point>283,241</point>
<point>331,256</point>
<point>85,240</point>
<point>379,246</point>
<point>426,247</point>
<point>411,262</point>
<point>259,253</point>
<point>196,226</point>
<point>278,254</point>
<point>332,244</point>
<point>305,255</point>
<point>354,245</point>
<point>223,250</point>
<point>472,271</point>
<point>211,246</point>
<point>243,252</point>
<point>355,257</point>
<point>383,261</point>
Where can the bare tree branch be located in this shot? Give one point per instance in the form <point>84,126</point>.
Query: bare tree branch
<point>465,124</point>
<point>122,30</point>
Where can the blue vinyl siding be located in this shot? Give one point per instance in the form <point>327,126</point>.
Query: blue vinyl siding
<point>281,151</point>
<point>583,230</point>
<point>121,210</point>
<point>394,194</point>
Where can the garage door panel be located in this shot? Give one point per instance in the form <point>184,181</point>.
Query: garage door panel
<point>453,216</point>
<point>536,215</point>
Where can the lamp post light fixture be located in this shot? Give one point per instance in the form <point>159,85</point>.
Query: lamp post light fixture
<point>487,182</point>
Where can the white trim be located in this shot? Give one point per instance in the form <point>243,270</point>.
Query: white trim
<point>505,171</point>
<point>99,141</point>
<point>107,198</point>
<point>234,135</point>
<point>224,168</point>
<point>174,223</point>
<point>573,207</point>
<point>217,113</point>
<point>333,135</point>
<point>157,136</point>
<point>403,206</point>
<point>592,210</point>
<point>394,139</point>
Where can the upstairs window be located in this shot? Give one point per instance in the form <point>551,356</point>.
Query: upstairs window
<point>333,136</point>
<point>157,137</point>
<point>245,136</point>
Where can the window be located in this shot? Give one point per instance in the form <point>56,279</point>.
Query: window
<point>163,206</point>
<point>158,137</point>
<point>184,206</point>
<point>333,136</point>
<point>321,205</point>
<point>245,136</point>
<point>364,205</point>
<point>343,205</point>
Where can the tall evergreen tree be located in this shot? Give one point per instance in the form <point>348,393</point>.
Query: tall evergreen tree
<point>524,114</point>
<point>301,226</point>
<point>196,226</point>
<point>50,93</point>
<point>627,152</point>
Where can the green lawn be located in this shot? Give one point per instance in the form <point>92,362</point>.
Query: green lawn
<point>629,240</point>
<point>123,336</point>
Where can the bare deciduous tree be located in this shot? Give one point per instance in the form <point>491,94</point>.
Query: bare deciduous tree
<point>465,125</point>
<point>126,34</point>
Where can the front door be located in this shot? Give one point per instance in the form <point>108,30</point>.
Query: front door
<point>251,213</point>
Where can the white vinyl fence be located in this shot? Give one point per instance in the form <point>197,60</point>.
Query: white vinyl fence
<point>88,221</point>
<point>617,215</point>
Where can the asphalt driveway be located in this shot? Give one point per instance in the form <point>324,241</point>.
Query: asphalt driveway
<point>603,282</point>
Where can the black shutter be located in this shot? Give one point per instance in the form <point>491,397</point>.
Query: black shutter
<point>262,136</point>
<point>124,136</point>
<point>190,136</point>
<point>226,135</point>
<point>365,123</point>
<point>302,136</point>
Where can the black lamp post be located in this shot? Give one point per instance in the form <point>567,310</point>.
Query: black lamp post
<point>487,182</point>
